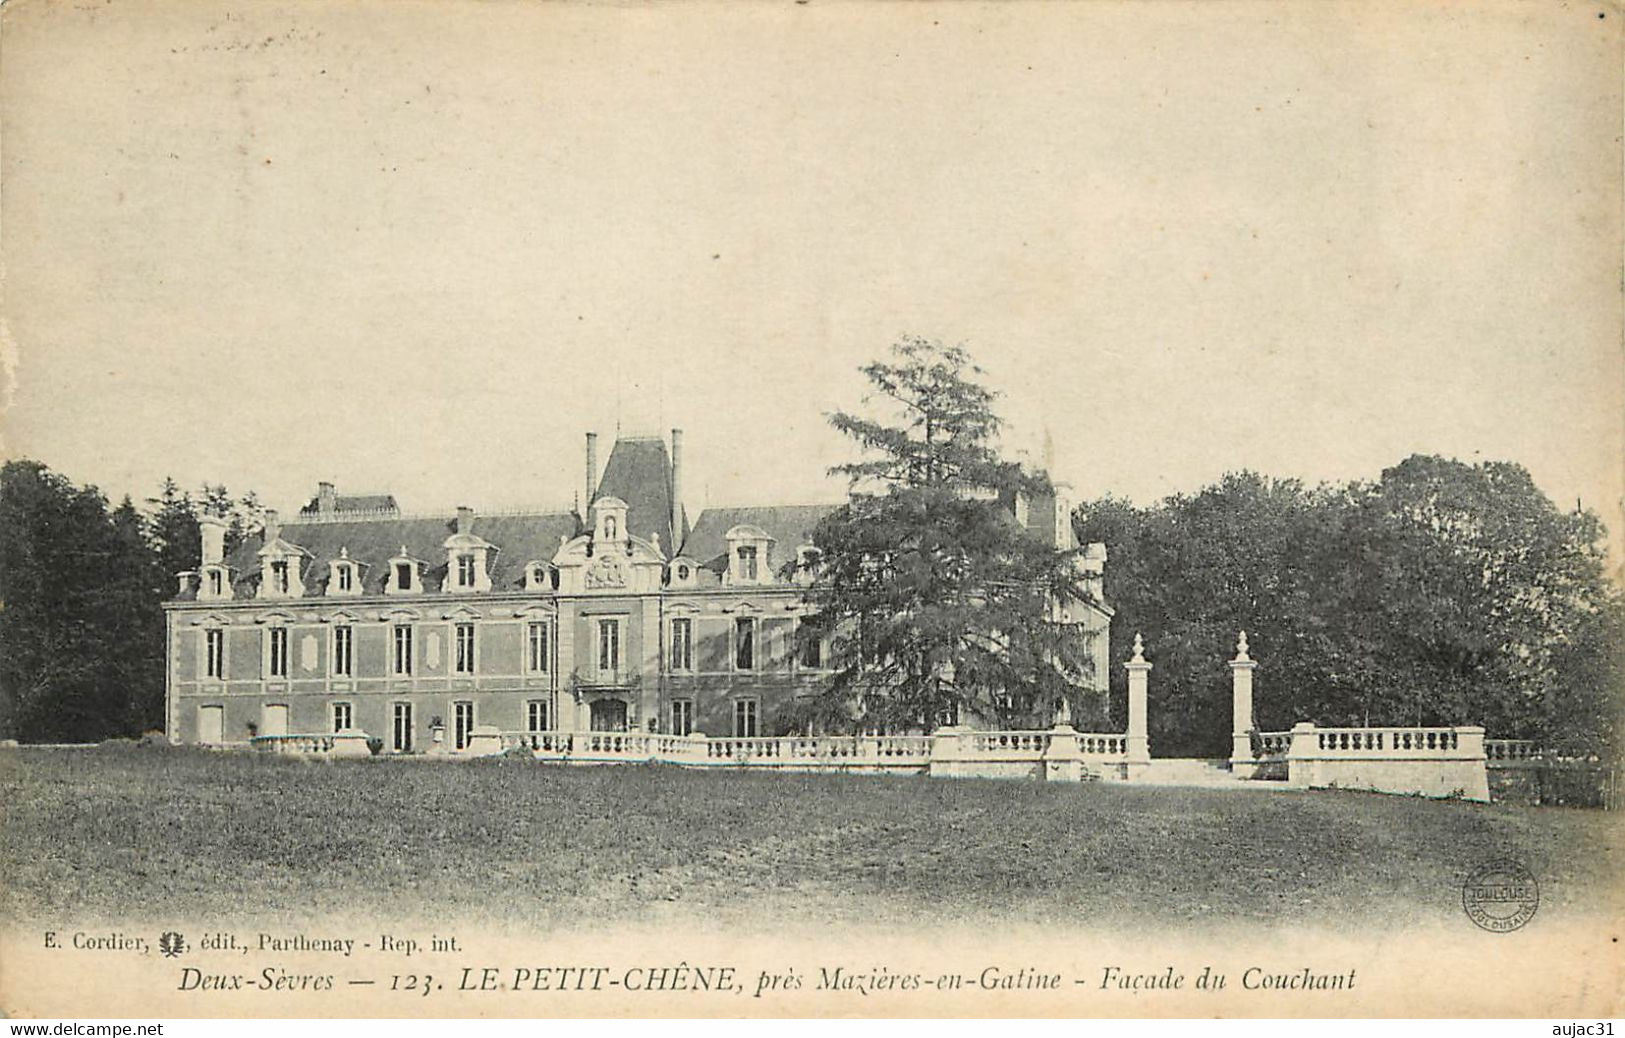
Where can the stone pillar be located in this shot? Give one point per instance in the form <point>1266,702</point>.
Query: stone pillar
<point>1241,708</point>
<point>1300,756</point>
<point>1137,752</point>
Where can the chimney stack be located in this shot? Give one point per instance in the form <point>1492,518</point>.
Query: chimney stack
<point>213,530</point>
<point>273,525</point>
<point>676,489</point>
<point>465,519</point>
<point>592,470</point>
<point>327,499</point>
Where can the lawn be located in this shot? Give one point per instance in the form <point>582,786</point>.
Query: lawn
<point>129,833</point>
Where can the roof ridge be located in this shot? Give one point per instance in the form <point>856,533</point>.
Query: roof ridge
<point>381,514</point>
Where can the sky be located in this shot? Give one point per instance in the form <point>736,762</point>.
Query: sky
<point>423,247</point>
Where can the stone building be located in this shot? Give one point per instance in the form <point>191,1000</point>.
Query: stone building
<point>420,629</point>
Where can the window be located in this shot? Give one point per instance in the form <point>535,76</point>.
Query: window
<point>278,662</point>
<point>682,572</point>
<point>346,576</point>
<point>217,583</point>
<point>609,528</point>
<point>682,717</point>
<point>465,649</point>
<point>279,576</point>
<point>343,717</point>
<point>745,643</point>
<point>403,649</point>
<point>341,651</point>
<point>538,718</point>
<point>744,719</point>
<point>465,570</point>
<point>403,576</point>
<point>462,725</point>
<point>536,656</point>
<point>812,650</point>
<point>682,644</point>
<point>401,728</point>
<point>747,562</point>
<point>214,652</point>
<point>609,646</point>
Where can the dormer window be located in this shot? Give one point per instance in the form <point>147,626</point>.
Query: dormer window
<point>538,577</point>
<point>343,575</point>
<point>279,576</point>
<point>609,528</point>
<point>217,583</point>
<point>609,518</point>
<point>808,561</point>
<point>749,555</point>
<point>405,575</point>
<point>467,557</point>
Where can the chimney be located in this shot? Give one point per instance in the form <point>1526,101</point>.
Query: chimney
<point>327,499</point>
<point>273,525</point>
<point>213,530</point>
<point>592,469</point>
<point>676,489</point>
<point>465,519</point>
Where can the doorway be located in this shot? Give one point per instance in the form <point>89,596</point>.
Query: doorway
<point>609,715</point>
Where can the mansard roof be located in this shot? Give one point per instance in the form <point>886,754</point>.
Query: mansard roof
<point>639,473</point>
<point>518,539</point>
<point>354,503</point>
<point>790,526</point>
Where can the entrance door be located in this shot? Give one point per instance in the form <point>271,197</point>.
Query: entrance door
<point>609,715</point>
<point>211,725</point>
<point>274,719</point>
<point>463,725</point>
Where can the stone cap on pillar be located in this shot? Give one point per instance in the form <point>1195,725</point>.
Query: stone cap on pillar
<point>1242,659</point>
<point>1139,662</point>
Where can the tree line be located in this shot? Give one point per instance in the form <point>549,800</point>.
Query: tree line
<point>1441,593</point>
<point>81,592</point>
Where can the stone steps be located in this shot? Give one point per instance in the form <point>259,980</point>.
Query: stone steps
<point>1208,773</point>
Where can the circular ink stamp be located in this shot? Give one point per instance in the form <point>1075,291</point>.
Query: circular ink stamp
<point>1501,896</point>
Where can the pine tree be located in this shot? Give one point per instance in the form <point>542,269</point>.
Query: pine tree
<point>937,605</point>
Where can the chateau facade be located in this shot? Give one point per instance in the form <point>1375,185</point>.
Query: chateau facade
<point>424,631</point>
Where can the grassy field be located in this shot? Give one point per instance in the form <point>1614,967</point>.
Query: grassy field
<point>122,832</point>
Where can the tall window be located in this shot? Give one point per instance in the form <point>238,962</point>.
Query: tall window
<point>341,651</point>
<point>747,562</point>
<point>343,717</point>
<point>744,719</point>
<point>537,716</point>
<point>279,652</point>
<point>214,651</point>
<point>682,717</point>
<point>279,576</point>
<point>465,648</point>
<point>217,583</point>
<point>401,728</point>
<point>462,725</point>
<point>744,643</point>
<point>609,528</point>
<point>812,650</point>
<point>403,649</point>
<point>609,646</point>
<point>465,570</point>
<point>346,576</point>
<point>536,655</point>
<point>403,576</point>
<point>682,644</point>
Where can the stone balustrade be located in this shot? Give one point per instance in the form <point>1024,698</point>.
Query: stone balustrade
<point>1439,762</point>
<point>1506,753</point>
<point>349,743</point>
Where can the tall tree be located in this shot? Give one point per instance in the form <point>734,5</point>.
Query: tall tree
<point>936,603</point>
<point>1443,593</point>
<point>68,627</point>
